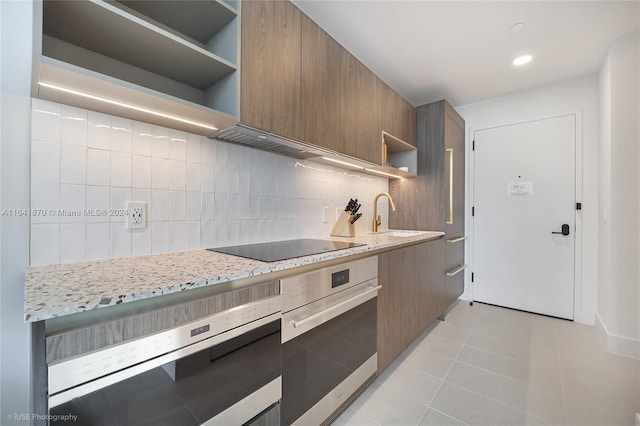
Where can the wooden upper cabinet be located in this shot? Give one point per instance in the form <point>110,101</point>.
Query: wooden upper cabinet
<point>270,84</point>
<point>398,116</point>
<point>323,77</point>
<point>435,198</point>
<point>362,112</point>
<point>298,82</point>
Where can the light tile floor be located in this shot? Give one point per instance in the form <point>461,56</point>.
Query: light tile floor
<point>486,365</point>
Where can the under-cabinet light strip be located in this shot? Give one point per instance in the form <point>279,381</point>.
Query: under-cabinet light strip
<point>384,173</point>
<point>121,104</point>
<point>344,163</point>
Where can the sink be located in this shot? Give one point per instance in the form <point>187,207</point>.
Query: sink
<point>401,232</point>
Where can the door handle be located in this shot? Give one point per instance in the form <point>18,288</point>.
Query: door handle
<point>565,230</point>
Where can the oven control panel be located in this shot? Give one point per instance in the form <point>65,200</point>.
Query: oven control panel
<point>310,286</point>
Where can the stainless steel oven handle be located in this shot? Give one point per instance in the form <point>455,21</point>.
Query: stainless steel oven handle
<point>300,323</point>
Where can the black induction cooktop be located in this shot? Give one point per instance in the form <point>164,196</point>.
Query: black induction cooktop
<point>282,250</point>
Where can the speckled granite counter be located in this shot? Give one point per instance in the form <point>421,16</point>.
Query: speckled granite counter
<point>57,290</point>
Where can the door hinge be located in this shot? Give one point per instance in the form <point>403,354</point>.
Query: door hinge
<point>473,211</point>
<point>472,277</point>
<point>473,146</point>
<point>578,206</point>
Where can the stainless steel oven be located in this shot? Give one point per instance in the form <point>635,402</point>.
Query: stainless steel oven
<point>224,369</point>
<point>329,339</point>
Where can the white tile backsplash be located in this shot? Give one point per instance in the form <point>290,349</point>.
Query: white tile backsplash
<point>193,206</point>
<point>160,173</point>
<point>121,169</point>
<point>74,126</point>
<point>160,209</point>
<point>73,164</point>
<point>119,199</point>
<point>200,192</point>
<point>141,138</point>
<point>178,241</point>
<point>121,134</point>
<point>178,149</point>
<point>161,143</point>
<point>193,235</point>
<point>46,201</point>
<point>178,206</point>
<point>72,242</point>
<point>45,246</point>
<point>73,199</point>
<point>178,175</point>
<point>45,120</point>
<point>45,161</point>
<point>98,169</point>
<point>160,237</point>
<point>141,241</point>
<point>99,131</point>
<point>141,171</point>
<point>192,154</point>
<point>120,241</point>
<point>98,241</point>
<point>98,201</point>
<point>192,177</point>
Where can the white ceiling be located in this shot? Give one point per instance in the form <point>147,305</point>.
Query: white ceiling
<point>462,50</point>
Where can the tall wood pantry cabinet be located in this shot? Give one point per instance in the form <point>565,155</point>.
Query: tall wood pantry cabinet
<point>434,200</point>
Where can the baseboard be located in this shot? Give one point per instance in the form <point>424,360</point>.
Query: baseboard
<point>617,344</point>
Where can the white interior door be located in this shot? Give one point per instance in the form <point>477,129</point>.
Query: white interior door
<point>524,189</point>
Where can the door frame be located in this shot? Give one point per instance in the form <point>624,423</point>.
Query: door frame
<point>578,215</point>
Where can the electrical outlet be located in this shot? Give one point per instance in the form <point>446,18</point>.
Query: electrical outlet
<point>136,215</point>
<point>325,219</point>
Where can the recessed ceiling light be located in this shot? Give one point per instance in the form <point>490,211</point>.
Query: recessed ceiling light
<point>521,60</point>
<point>516,27</point>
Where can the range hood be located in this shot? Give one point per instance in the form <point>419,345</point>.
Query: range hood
<point>249,136</point>
<point>254,138</point>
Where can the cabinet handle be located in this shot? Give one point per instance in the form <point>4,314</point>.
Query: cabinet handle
<point>450,221</point>
<point>456,271</point>
<point>455,240</point>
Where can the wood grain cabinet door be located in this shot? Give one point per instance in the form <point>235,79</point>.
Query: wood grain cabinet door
<point>324,64</point>
<point>362,112</point>
<point>398,116</point>
<point>454,173</point>
<point>411,297</point>
<point>270,83</point>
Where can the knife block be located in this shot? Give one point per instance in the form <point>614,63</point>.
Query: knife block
<point>343,226</point>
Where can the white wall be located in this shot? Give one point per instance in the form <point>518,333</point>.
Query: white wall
<point>15,80</point>
<point>619,278</point>
<point>576,96</point>
<point>199,192</point>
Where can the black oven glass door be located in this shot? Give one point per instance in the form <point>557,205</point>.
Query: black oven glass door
<point>188,391</point>
<point>317,361</point>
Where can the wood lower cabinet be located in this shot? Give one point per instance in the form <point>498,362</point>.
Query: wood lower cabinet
<point>410,298</point>
<point>453,269</point>
<point>271,55</point>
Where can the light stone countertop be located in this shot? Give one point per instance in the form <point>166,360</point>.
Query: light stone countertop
<point>58,290</point>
